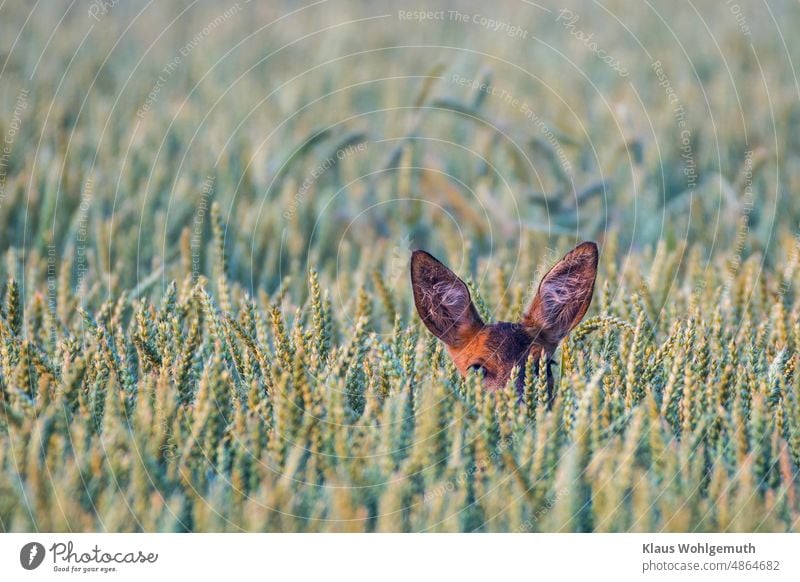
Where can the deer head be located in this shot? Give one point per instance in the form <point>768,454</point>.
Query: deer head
<point>493,349</point>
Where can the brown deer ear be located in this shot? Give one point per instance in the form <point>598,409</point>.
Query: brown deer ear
<point>443,301</point>
<point>564,296</point>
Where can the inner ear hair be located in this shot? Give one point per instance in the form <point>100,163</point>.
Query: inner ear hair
<point>443,301</point>
<point>564,296</point>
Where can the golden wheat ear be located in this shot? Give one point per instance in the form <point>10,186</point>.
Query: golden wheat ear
<point>564,296</point>
<point>443,301</point>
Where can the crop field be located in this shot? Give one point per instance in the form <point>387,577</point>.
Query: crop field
<point>207,212</point>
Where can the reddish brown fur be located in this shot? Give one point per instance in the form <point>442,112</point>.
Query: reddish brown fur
<point>444,304</point>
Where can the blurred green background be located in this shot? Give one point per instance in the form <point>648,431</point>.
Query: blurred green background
<point>469,130</point>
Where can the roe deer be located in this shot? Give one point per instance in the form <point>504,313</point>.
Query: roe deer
<point>492,350</point>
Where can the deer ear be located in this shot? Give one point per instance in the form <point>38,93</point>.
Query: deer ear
<point>564,296</point>
<point>443,301</point>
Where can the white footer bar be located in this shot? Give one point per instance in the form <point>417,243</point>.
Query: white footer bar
<point>387,557</point>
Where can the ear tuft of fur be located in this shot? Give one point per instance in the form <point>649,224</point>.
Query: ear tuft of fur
<point>443,301</point>
<point>564,296</point>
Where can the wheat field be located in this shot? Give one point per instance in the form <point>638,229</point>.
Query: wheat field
<point>207,214</point>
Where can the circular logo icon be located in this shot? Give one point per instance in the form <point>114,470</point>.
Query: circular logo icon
<point>31,555</point>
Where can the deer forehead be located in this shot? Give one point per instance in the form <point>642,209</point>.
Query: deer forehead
<point>502,344</point>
